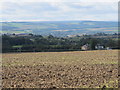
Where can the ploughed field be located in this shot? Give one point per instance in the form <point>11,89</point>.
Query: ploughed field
<point>79,69</point>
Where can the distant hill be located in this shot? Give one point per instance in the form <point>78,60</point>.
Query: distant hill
<point>60,28</point>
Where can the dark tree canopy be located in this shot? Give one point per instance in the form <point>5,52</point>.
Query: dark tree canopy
<point>50,43</point>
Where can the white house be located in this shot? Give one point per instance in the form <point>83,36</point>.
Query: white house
<point>99,47</point>
<point>85,47</point>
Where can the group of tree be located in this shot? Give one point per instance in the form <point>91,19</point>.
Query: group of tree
<point>38,43</point>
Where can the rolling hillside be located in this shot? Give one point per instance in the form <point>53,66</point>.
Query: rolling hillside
<point>59,28</point>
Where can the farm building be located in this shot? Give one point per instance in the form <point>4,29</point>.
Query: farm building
<point>99,47</point>
<point>108,48</point>
<point>85,47</point>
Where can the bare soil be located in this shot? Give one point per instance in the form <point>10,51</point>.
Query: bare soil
<point>60,70</point>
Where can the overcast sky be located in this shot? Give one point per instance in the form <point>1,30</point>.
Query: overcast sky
<point>58,10</point>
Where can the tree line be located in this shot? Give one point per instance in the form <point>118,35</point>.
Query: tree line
<point>39,43</point>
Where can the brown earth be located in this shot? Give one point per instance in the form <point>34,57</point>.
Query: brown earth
<point>84,69</point>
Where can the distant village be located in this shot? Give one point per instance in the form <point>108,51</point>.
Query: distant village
<point>96,35</point>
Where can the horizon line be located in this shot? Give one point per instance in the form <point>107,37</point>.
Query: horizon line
<point>53,20</point>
